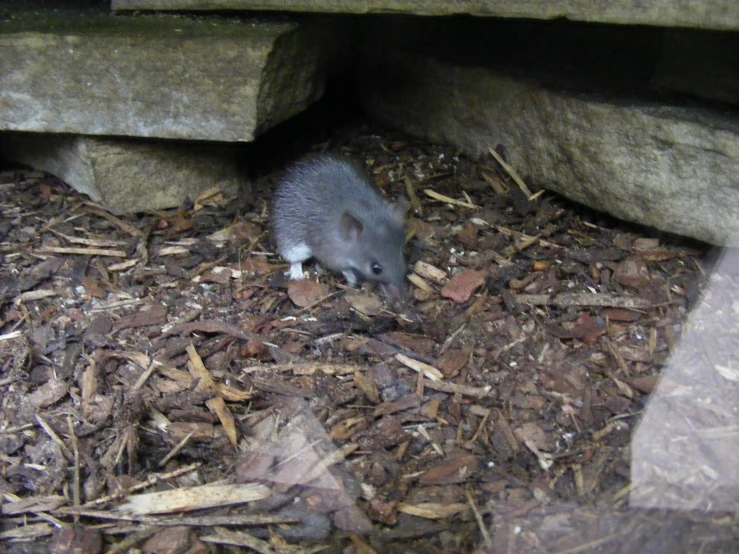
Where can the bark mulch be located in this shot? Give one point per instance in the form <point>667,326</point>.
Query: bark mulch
<point>166,389</point>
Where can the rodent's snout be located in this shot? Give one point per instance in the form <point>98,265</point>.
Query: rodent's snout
<point>396,291</point>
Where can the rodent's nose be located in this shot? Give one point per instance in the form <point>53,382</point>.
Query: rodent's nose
<point>396,291</point>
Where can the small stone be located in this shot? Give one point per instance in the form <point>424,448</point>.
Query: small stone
<point>632,272</point>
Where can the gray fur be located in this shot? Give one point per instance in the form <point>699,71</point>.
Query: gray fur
<point>326,208</point>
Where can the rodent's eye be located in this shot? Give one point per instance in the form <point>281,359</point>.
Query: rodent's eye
<point>376,268</point>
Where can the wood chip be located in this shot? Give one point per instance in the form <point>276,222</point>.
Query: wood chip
<point>430,372</point>
<point>216,404</point>
<point>433,510</point>
<point>512,172</point>
<point>428,271</point>
<point>193,498</point>
<point>81,251</point>
<point>450,470</point>
<point>463,286</point>
<point>448,200</point>
<point>420,282</point>
<point>566,300</point>
<point>444,386</point>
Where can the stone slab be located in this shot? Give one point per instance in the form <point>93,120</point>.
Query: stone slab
<point>673,168</point>
<point>164,76</point>
<point>684,451</point>
<point>130,175</point>
<point>707,14</point>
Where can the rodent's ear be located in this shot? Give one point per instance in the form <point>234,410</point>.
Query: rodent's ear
<point>400,208</point>
<point>351,227</point>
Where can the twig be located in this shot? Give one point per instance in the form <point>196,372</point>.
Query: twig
<point>179,446</point>
<point>429,371</point>
<point>76,483</point>
<point>566,300</point>
<point>150,481</point>
<point>449,200</point>
<point>512,172</point>
<point>480,522</point>
<point>8,336</point>
<point>49,431</point>
<point>448,342</point>
<point>444,386</point>
<point>80,251</point>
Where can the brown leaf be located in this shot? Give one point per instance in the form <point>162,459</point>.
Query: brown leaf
<point>587,330</point>
<point>452,362</point>
<point>182,223</point>
<point>46,395</point>
<point>255,347</point>
<point>92,287</point>
<point>156,314</point>
<point>209,326</point>
<point>367,386</point>
<point>645,383</point>
<point>620,314</point>
<point>256,266</point>
<point>422,230</point>
<point>462,287</point>
<point>245,231</point>
<point>533,433</point>
<point>454,469</point>
<point>431,409</point>
<point>367,304</point>
<point>405,403</point>
<point>352,519</point>
<point>201,432</point>
<point>169,540</point>
<point>384,433</point>
<point>407,341</point>
<point>468,236</point>
<point>304,293</point>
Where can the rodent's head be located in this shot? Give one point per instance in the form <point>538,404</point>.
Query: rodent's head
<point>376,251</point>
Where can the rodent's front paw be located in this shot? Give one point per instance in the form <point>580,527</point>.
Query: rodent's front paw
<point>296,272</point>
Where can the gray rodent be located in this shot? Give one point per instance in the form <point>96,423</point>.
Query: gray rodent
<point>326,208</point>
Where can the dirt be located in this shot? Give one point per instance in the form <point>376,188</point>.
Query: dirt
<point>166,389</point>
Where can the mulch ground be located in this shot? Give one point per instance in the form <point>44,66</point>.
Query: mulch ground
<point>166,389</point>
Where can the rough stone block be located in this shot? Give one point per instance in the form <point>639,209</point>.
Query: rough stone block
<point>163,76</point>
<point>676,169</point>
<point>707,14</point>
<point>129,175</point>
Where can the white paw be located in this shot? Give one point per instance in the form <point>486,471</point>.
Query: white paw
<point>296,272</point>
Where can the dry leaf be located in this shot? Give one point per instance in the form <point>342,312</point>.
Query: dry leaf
<point>304,293</point>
